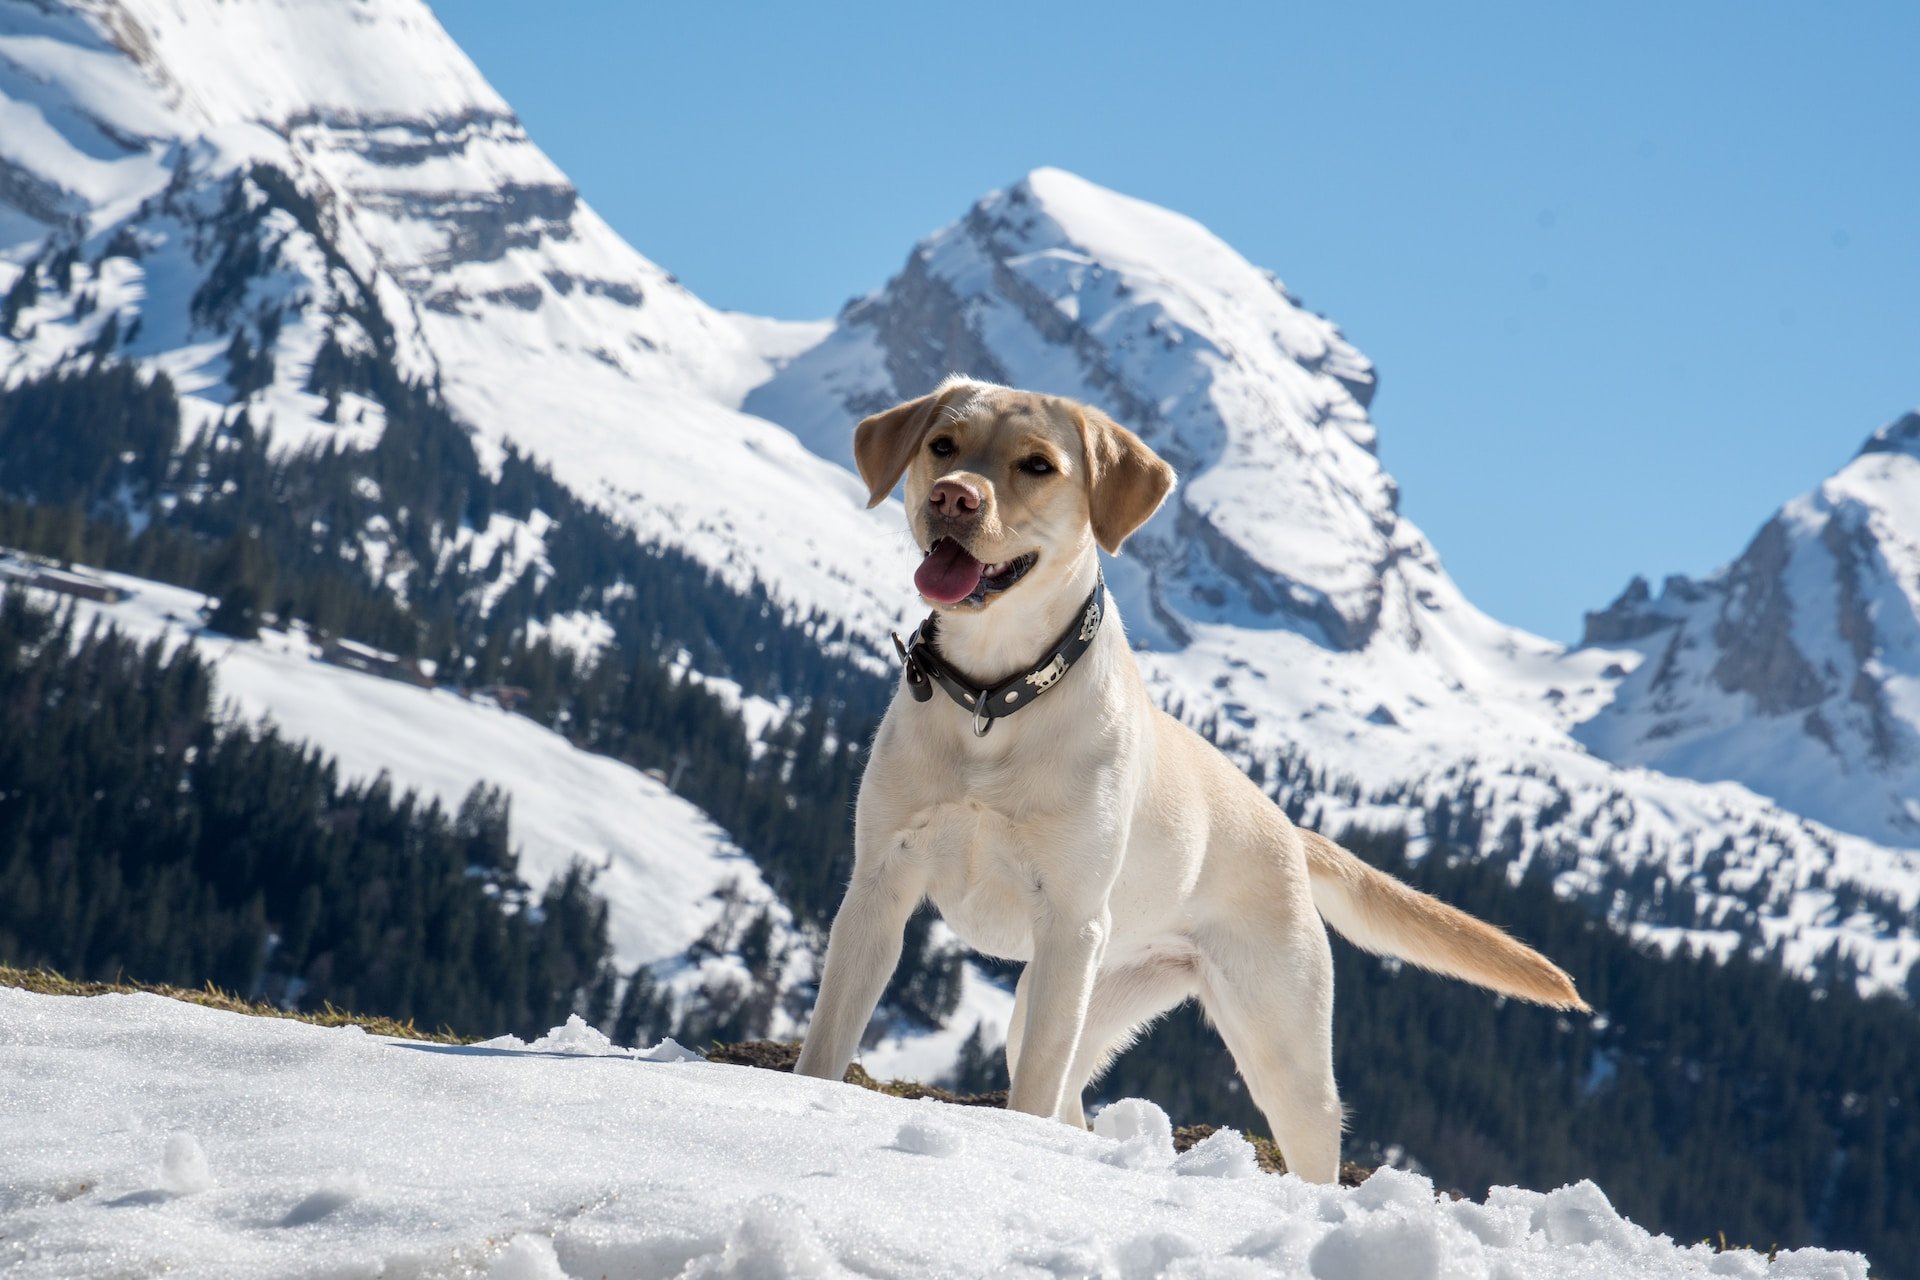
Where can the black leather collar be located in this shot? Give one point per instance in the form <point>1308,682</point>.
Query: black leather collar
<point>926,668</point>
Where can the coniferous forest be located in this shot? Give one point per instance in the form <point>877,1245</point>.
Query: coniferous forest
<point>141,835</point>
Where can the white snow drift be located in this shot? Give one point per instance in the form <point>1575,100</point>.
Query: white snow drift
<point>146,1136</point>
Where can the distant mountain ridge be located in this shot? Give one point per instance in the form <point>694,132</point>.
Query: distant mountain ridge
<point>1056,281</point>
<point>1795,669</point>
<point>129,122</point>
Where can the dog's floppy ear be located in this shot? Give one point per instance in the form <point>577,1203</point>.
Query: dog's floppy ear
<point>884,443</point>
<point>1126,481</point>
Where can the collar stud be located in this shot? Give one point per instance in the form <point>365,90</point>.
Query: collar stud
<point>926,668</point>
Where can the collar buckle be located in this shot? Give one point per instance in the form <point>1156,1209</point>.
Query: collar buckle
<point>917,683</point>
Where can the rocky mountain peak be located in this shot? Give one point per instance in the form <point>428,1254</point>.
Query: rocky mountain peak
<point>1795,669</point>
<point>1284,517</point>
<point>1902,435</point>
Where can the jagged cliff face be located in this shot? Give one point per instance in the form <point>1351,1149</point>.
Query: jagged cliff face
<point>1283,517</point>
<point>290,170</point>
<point>1796,668</point>
<point>424,173</point>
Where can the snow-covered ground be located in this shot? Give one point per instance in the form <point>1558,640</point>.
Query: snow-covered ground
<point>146,1136</point>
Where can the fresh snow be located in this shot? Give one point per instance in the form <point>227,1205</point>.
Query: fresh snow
<point>147,1136</point>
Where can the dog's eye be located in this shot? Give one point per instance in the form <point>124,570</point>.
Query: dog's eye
<point>941,446</point>
<point>1037,466</point>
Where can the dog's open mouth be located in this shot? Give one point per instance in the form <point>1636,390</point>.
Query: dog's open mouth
<point>951,575</point>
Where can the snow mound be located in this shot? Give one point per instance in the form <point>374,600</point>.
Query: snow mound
<point>344,1153</point>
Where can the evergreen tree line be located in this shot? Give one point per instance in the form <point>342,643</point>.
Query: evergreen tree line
<point>140,836</point>
<point>1707,1097</point>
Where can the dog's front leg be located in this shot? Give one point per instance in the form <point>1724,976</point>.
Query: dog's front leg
<point>1067,945</point>
<point>862,952</point>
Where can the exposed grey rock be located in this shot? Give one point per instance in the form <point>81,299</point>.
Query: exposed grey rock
<point>1902,435</point>
<point>1628,618</point>
<point>1755,631</point>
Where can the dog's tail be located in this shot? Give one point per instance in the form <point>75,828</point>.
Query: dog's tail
<point>1374,911</point>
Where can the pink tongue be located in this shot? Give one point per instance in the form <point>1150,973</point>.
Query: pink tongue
<point>948,574</point>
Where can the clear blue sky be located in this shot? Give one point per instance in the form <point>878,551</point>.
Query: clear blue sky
<point>1632,274</point>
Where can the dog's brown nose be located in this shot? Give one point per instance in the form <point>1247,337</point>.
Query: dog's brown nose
<point>954,498</point>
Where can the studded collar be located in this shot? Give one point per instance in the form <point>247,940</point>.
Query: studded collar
<point>926,668</point>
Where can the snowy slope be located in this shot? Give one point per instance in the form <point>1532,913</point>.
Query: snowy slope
<point>666,871</point>
<point>1284,602</point>
<point>1795,669</point>
<point>436,218</point>
<point>152,1136</point>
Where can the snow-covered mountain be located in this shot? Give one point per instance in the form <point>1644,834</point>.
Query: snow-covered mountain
<point>1795,669</point>
<point>156,1137</point>
<point>1287,605</point>
<point>293,169</point>
<point>237,195</point>
<point>230,193</point>
<point>1057,283</point>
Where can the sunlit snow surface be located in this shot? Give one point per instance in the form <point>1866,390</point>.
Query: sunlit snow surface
<point>147,1137</point>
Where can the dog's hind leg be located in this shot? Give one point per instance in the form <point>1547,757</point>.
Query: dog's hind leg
<point>1124,1001</point>
<point>1272,999</point>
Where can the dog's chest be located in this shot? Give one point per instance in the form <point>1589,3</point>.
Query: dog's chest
<point>984,878</point>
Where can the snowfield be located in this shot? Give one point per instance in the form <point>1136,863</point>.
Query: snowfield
<point>148,1136</point>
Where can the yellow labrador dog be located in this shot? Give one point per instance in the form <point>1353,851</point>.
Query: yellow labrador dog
<point>1024,782</point>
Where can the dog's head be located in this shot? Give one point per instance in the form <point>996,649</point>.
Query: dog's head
<point>1005,487</point>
